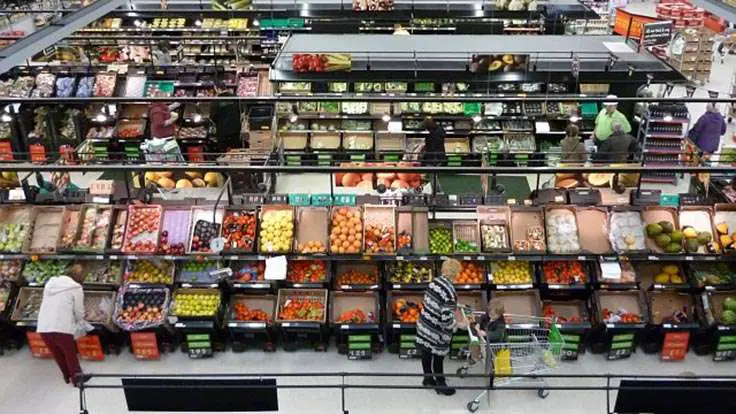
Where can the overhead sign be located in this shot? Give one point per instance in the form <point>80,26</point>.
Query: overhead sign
<point>658,33</point>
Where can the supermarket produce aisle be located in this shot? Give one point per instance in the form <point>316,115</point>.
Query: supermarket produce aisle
<point>30,385</point>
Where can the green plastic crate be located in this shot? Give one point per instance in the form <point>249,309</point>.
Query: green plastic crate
<point>472,108</point>
<point>589,109</point>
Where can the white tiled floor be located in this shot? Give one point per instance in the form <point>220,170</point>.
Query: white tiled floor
<point>30,385</point>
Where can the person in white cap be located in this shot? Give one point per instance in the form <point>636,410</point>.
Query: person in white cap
<point>606,118</point>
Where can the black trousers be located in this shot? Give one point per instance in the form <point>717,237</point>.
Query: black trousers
<point>433,365</point>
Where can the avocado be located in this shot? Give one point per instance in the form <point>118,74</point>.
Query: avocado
<point>654,230</point>
<point>676,236</point>
<point>663,240</point>
<point>672,248</point>
<point>691,246</point>
<point>667,227</point>
<point>704,238</point>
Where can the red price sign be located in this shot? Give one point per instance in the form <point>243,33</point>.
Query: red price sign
<point>90,348</point>
<point>144,345</point>
<point>195,153</point>
<point>37,152</point>
<point>675,345</point>
<point>38,346</point>
<point>6,151</point>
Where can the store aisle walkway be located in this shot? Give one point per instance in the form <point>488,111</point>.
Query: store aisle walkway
<point>31,386</point>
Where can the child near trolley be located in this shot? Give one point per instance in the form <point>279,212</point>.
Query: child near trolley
<point>490,326</point>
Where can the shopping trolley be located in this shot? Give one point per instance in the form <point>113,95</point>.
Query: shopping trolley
<point>531,346</point>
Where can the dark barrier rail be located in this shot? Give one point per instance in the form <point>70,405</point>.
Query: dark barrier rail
<point>631,386</point>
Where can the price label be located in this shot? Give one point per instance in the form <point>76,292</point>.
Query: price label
<point>217,244</point>
<point>511,258</point>
<point>90,348</point>
<point>653,257</point>
<point>145,345</point>
<point>582,258</point>
<point>511,201</point>
<point>675,346</point>
<point>38,346</point>
<point>689,258</point>
<point>16,194</point>
<point>559,199</point>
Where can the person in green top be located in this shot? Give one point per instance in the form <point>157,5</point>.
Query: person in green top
<point>608,116</point>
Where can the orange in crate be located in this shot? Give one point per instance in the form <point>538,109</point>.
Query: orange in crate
<point>471,273</point>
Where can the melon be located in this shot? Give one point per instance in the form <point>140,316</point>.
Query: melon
<point>166,183</point>
<point>367,177</point>
<point>365,185</point>
<point>183,183</point>
<point>599,179</point>
<point>399,184</point>
<point>350,180</point>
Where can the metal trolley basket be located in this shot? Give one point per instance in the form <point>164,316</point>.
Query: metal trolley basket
<point>531,345</point>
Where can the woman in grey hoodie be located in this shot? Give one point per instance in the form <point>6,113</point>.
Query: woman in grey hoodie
<point>61,321</point>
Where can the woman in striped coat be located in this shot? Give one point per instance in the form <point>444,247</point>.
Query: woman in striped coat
<point>436,325</point>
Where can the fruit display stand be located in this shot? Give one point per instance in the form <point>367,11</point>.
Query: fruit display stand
<point>153,271</point>
<point>142,229</point>
<point>249,275</point>
<point>413,226</point>
<point>142,313</point>
<point>717,312</point>
<point>302,318</point>
<point>43,234</point>
<point>355,320</point>
<point>98,311</point>
<point>346,222</point>
<point>276,232</point>
<point>672,320</point>
<point>206,226</point>
<point>26,307</point>
<point>239,229</point>
<point>409,275</point>
<point>69,225</point>
<point>307,273</point>
<point>174,236</point>
<point>249,321</point>
<point>379,231</point>
<point>14,227</point>
<point>473,275</point>
<point>620,317</point>
<point>519,302</point>
<point>117,231</point>
<point>402,313</point>
<point>10,336</point>
<point>440,237</point>
<point>565,275</point>
<point>197,316</point>
<point>573,320</point>
<point>662,276</point>
<point>527,230</point>
<point>93,229</point>
<point>199,273</point>
<point>101,274</point>
<point>357,275</point>
<point>311,230</point>
<point>494,228</point>
<point>712,276</point>
<point>38,272</point>
<point>511,274</point>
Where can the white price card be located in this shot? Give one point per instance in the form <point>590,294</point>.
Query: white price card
<point>275,268</point>
<point>217,244</point>
<point>16,194</point>
<point>610,270</point>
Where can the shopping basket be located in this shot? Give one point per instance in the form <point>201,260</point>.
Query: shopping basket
<point>531,346</point>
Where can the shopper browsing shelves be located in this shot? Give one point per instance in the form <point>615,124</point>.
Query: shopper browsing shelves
<point>619,147</point>
<point>708,130</point>
<point>434,144</point>
<point>61,321</point>
<point>606,118</point>
<point>226,117</point>
<point>437,322</point>
<point>573,150</point>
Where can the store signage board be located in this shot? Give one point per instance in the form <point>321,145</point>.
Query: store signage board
<point>90,348</point>
<point>571,346</point>
<point>622,346</point>
<point>145,345</point>
<point>675,346</point>
<point>38,346</point>
<point>658,33</point>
